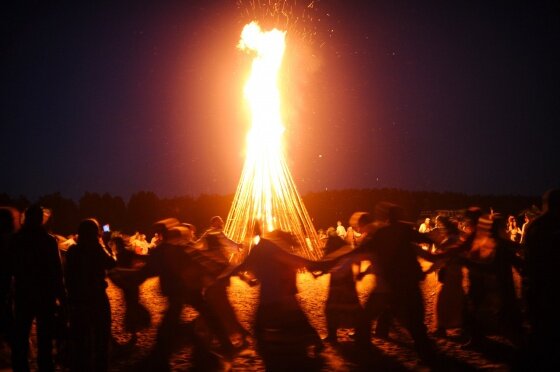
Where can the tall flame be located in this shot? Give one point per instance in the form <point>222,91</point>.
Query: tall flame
<point>266,197</point>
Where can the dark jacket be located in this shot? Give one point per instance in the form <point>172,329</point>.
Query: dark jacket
<point>35,266</point>
<point>86,265</point>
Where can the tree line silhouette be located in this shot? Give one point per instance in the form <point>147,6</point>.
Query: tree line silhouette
<point>325,207</point>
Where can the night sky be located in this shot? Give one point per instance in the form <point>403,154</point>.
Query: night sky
<point>122,97</point>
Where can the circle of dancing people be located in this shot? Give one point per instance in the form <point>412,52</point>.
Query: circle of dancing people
<point>63,291</point>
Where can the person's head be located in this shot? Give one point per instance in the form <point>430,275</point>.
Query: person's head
<point>216,222</point>
<point>551,201</point>
<point>116,244</point>
<point>8,220</point>
<point>359,220</point>
<point>89,231</point>
<point>381,211</point>
<point>498,227</point>
<point>33,216</point>
<point>331,231</point>
<point>472,215</point>
<point>395,213</point>
<point>162,227</point>
<point>427,221</point>
<point>449,225</point>
<point>189,226</point>
<point>179,234</point>
<point>338,223</point>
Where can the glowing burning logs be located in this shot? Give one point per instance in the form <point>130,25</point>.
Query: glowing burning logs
<point>266,197</point>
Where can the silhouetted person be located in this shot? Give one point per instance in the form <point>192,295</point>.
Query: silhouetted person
<point>8,226</point>
<point>506,259</point>
<point>378,303</point>
<point>451,297</point>
<point>342,308</point>
<point>183,274</point>
<point>214,241</point>
<point>87,263</point>
<point>394,249</point>
<point>479,252</point>
<point>542,250</point>
<point>136,316</point>
<point>493,306</point>
<point>280,323</point>
<point>38,285</point>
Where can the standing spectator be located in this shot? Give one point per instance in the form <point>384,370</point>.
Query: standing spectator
<point>340,230</point>
<point>322,237</point>
<point>526,221</point>
<point>9,218</point>
<point>513,231</point>
<point>90,315</point>
<point>38,285</point>
<point>425,226</point>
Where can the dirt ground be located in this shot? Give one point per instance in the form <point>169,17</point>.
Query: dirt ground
<point>395,353</point>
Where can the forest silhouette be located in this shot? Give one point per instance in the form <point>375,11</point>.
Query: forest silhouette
<point>325,207</point>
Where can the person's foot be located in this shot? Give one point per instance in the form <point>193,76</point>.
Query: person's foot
<point>439,333</point>
<point>427,352</point>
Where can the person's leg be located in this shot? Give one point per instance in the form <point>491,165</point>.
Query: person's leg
<point>23,319</point>
<point>217,298</point>
<point>102,338</point>
<point>411,310</point>
<point>80,338</point>
<point>45,336</point>
<point>377,308</point>
<point>212,319</point>
<point>332,325</point>
<point>171,318</point>
<point>384,322</point>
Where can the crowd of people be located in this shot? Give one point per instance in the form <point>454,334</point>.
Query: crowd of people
<point>61,285</point>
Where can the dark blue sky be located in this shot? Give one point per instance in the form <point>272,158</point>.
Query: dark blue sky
<point>122,97</point>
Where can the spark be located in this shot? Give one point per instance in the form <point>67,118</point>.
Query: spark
<point>266,198</point>
<point>298,18</point>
